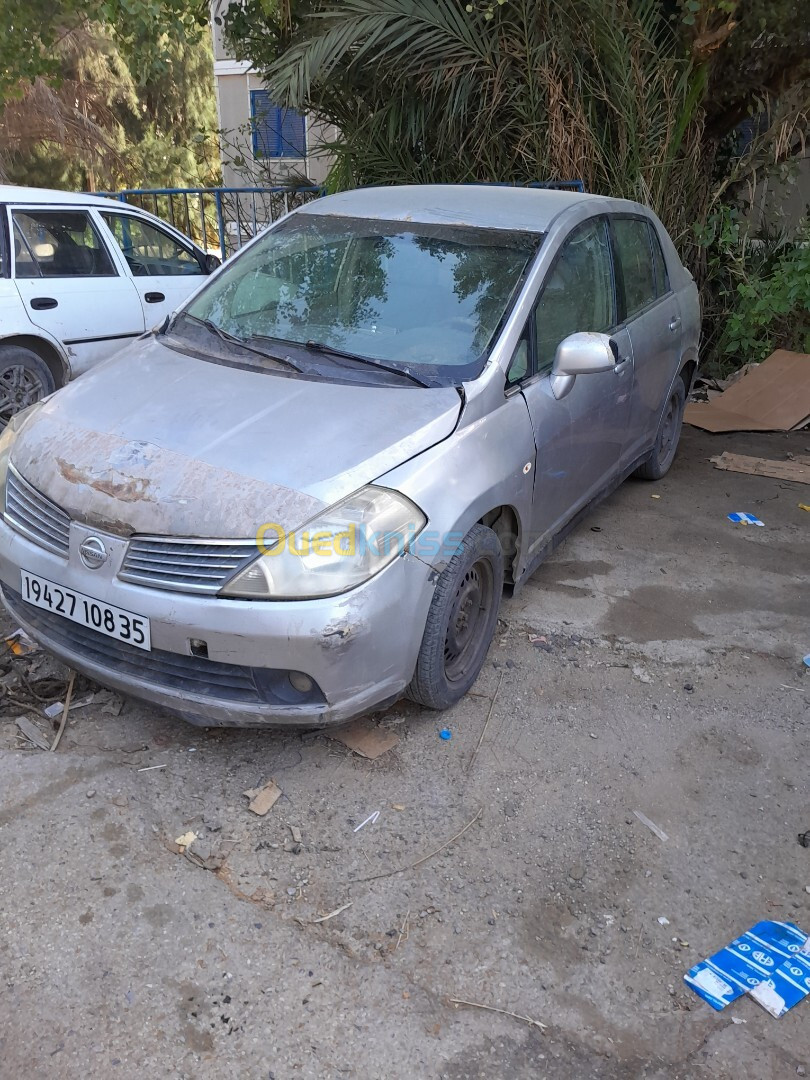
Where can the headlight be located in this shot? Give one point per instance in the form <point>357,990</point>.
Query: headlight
<point>340,548</point>
<point>9,434</point>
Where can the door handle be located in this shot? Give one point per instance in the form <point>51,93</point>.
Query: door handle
<point>675,323</point>
<point>43,303</point>
<point>154,297</point>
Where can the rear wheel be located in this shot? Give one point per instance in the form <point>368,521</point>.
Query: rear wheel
<point>669,434</point>
<point>25,378</point>
<point>461,621</point>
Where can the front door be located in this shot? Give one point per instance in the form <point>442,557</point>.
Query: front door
<point>70,286</point>
<point>581,438</point>
<point>163,270</point>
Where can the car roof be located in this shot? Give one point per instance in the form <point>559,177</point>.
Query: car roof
<point>489,206</point>
<point>11,193</point>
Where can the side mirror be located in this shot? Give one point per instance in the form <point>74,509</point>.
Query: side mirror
<point>580,354</point>
<point>211,262</point>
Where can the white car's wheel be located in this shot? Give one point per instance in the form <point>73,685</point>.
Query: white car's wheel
<point>25,378</point>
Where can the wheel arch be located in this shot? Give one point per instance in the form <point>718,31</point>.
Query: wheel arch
<point>504,521</point>
<point>46,351</point>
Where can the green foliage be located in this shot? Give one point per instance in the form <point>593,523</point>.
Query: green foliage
<point>756,292</point>
<point>773,309</point>
<point>124,102</point>
<point>31,32</point>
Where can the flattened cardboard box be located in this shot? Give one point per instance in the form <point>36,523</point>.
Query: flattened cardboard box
<point>772,397</point>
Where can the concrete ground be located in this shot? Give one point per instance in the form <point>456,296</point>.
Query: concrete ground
<point>667,678</point>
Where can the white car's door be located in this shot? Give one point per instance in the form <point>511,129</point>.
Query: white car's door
<point>164,269</point>
<point>71,285</point>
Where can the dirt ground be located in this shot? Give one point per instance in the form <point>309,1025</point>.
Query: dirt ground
<point>667,679</point>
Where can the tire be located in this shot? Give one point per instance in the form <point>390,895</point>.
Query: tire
<point>24,379</point>
<point>453,647</point>
<point>669,434</point>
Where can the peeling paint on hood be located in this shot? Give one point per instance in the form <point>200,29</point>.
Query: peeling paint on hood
<point>154,441</point>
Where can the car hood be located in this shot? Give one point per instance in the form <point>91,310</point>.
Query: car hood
<point>154,441</point>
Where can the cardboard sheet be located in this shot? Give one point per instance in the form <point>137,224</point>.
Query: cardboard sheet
<point>772,397</point>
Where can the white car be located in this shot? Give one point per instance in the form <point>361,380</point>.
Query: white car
<point>80,276</point>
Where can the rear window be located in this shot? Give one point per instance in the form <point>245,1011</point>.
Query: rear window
<point>632,238</point>
<point>661,275</point>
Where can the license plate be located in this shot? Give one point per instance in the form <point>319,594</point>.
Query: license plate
<point>86,610</point>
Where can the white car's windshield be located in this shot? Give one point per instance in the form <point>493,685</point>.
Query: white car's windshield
<point>424,297</point>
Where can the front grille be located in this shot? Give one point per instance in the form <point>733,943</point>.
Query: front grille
<point>200,566</point>
<point>194,675</point>
<point>35,516</point>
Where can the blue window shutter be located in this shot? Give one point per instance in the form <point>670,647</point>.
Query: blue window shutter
<point>277,132</point>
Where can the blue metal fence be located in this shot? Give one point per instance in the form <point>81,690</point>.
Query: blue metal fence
<point>221,220</point>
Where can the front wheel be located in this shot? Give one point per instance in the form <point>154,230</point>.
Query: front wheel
<point>668,437</point>
<point>461,621</point>
<point>25,378</point>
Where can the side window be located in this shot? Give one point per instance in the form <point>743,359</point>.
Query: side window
<point>149,251</point>
<point>635,259</point>
<point>578,294</point>
<point>661,275</point>
<point>58,244</point>
<point>519,364</point>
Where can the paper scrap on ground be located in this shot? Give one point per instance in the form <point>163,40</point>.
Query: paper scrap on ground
<point>263,798</point>
<point>767,959</point>
<point>774,396</point>
<point>745,519</point>
<point>797,471</point>
<point>186,840</point>
<point>651,825</point>
<point>364,738</point>
<point>20,643</point>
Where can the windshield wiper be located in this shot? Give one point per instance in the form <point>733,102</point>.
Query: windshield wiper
<point>321,347</point>
<point>232,339</point>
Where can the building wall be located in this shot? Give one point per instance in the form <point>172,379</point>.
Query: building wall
<point>234,81</point>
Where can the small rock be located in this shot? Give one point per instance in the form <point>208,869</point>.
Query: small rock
<point>91,792</point>
<point>120,800</point>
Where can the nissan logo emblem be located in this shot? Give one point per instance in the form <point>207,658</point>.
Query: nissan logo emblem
<point>93,553</point>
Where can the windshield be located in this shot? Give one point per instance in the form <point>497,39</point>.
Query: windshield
<point>424,297</point>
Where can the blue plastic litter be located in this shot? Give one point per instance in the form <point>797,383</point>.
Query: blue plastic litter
<point>745,519</point>
<point>771,962</point>
<point>806,660</point>
<point>445,734</point>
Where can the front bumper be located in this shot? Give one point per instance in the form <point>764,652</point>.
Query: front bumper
<point>359,649</point>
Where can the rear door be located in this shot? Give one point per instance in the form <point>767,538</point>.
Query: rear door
<point>70,285</point>
<point>164,269</point>
<point>653,318</point>
<point>580,438</point>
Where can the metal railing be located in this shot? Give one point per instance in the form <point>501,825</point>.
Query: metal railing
<point>222,219</point>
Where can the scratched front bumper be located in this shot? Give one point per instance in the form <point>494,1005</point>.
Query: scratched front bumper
<point>360,648</point>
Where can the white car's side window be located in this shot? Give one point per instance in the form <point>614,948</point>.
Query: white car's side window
<point>149,251</point>
<point>58,244</point>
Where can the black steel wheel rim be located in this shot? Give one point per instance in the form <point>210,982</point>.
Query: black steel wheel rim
<point>469,615</point>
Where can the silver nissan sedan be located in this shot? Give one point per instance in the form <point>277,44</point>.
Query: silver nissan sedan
<point>303,495</point>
